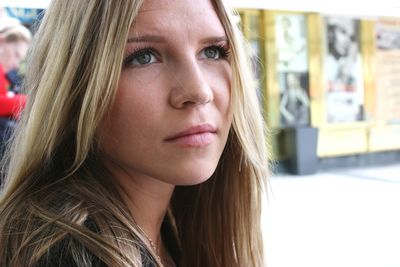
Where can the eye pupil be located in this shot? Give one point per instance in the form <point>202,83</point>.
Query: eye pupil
<point>211,52</point>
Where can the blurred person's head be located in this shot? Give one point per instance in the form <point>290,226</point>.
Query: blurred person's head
<point>340,36</point>
<point>292,81</point>
<point>14,44</point>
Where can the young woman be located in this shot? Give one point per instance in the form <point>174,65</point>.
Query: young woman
<point>142,143</point>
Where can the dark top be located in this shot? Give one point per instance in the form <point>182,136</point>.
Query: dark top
<point>60,255</point>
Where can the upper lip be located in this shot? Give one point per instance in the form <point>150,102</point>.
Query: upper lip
<point>196,129</point>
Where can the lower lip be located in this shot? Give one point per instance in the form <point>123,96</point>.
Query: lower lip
<point>194,140</point>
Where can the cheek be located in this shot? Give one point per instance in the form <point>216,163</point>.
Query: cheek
<point>123,132</point>
<point>219,79</point>
<point>6,56</point>
<point>126,116</point>
<point>134,113</point>
<point>137,97</point>
<point>221,82</point>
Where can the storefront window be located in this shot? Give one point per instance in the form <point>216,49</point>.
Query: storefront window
<point>292,67</point>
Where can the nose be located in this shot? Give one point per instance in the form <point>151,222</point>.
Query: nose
<point>190,86</point>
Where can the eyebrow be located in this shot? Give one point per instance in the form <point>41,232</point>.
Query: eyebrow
<point>215,39</point>
<point>160,39</point>
<point>146,38</point>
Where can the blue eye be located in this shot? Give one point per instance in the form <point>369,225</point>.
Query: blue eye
<point>214,52</point>
<point>141,58</point>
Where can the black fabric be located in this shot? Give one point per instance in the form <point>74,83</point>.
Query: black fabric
<point>170,241</point>
<point>60,255</point>
<point>15,80</point>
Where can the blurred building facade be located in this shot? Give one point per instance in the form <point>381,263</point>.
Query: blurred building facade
<point>336,75</point>
<point>329,84</point>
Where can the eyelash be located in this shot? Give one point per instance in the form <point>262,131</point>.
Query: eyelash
<point>223,49</point>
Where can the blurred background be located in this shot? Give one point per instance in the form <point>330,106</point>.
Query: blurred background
<point>328,77</point>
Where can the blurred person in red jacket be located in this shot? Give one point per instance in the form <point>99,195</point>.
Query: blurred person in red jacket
<point>14,43</point>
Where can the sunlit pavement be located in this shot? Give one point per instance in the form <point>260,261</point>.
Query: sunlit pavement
<point>339,218</point>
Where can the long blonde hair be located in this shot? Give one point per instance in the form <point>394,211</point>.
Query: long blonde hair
<point>55,180</point>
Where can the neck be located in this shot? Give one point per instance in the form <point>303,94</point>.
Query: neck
<point>147,199</point>
<point>148,204</point>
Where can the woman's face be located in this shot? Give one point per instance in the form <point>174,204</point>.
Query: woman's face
<point>171,116</point>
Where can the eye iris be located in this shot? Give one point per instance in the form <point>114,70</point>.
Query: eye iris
<point>211,53</point>
<point>144,58</point>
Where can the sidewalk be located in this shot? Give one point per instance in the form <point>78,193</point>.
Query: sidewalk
<point>340,218</point>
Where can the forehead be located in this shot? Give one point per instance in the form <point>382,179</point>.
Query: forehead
<point>200,6</point>
<point>167,15</point>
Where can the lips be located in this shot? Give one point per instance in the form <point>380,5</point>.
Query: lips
<point>194,136</point>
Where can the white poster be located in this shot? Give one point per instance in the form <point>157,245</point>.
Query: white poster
<point>343,70</point>
<point>388,69</point>
<point>291,43</point>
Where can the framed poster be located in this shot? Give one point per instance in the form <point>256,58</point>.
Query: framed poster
<point>295,103</point>
<point>343,70</point>
<point>292,68</point>
<point>388,68</point>
<point>291,43</point>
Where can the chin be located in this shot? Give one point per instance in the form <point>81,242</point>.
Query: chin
<point>195,176</point>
